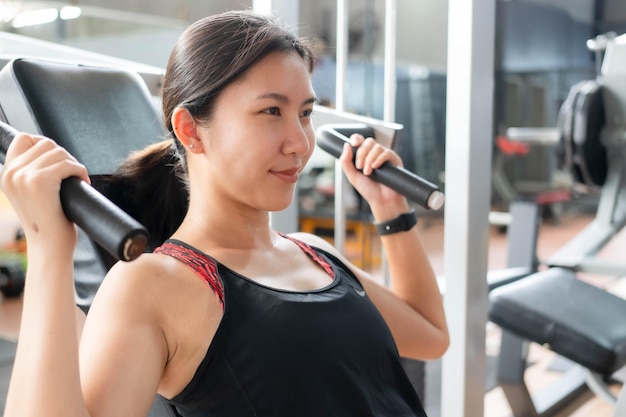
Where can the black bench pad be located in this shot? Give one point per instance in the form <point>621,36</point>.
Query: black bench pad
<point>577,320</point>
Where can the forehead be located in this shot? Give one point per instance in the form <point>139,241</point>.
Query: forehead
<point>279,72</point>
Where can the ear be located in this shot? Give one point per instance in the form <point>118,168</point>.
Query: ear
<point>186,129</point>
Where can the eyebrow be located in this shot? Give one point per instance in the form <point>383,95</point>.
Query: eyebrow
<point>284,99</point>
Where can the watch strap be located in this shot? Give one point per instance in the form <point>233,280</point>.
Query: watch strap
<point>402,223</point>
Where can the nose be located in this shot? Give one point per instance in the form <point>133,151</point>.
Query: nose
<point>299,138</point>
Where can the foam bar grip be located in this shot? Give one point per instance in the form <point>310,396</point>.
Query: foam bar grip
<point>107,224</point>
<point>332,138</point>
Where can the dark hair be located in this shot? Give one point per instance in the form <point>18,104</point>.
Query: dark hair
<point>211,54</point>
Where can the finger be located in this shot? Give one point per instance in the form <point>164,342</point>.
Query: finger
<point>346,159</point>
<point>26,150</point>
<point>20,144</point>
<point>350,170</point>
<point>356,139</point>
<point>15,159</point>
<point>32,146</point>
<point>57,163</point>
<point>362,151</point>
<point>48,153</point>
<point>35,157</point>
<point>387,155</point>
<point>371,151</point>
<point>378,155</point>
<point>45,152</point>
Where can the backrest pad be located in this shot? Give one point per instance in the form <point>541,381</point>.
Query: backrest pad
<point>98,114</point>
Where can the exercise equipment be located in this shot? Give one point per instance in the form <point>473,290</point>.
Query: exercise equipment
<point>580,122</point>
<point>100,115</point>
<point>553,307</point>
<point>332,138</point>
<point>517,144</point>
<point>107,224</point>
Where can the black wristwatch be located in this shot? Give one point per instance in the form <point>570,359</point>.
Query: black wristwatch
<point>402,223</point>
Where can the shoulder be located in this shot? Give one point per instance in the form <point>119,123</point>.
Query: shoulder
<point>148,270</point>
<point>148,287</point>
<point>152,295</point>
<point>125,315</point>
<point>134,325</point>
<point>131,287</point>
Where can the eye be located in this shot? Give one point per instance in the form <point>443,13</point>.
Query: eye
<point>274,111</point>
<point>307,113</point>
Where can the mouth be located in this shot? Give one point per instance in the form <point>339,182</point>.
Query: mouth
<point>290,175</point>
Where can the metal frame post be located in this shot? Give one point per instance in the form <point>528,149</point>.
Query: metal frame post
<point>469,138</point>
<point>342,64</point>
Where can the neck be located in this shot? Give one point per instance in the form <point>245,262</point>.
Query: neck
<point>227,228</point>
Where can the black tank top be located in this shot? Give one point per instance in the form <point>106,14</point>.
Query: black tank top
<point>279,353</point>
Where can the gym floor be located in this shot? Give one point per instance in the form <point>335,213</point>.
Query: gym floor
<point>544,366</point>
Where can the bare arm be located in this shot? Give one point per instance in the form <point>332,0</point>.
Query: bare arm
<point>423,335</point>
<point>45,371</point>
<point>31,179</point>
<point>123,349</point>
<point>46,376</point>
<point>412,305</point>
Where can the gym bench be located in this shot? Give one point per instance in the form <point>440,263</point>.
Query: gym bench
<point>574,319</point>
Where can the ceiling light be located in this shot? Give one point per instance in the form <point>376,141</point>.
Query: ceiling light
<point>69,12</point>
<point>36,17</point>
<point>7,13</point>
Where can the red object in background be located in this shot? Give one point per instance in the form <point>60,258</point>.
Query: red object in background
<point>510,147</point>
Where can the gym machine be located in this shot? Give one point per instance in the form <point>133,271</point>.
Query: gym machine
<point>553,307</point>
<point>56,99</point>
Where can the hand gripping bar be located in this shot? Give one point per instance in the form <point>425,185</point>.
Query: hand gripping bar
<point>107,224</point>
<point>332,138</point>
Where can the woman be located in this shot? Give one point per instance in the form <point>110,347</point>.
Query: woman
<point>227,317</point>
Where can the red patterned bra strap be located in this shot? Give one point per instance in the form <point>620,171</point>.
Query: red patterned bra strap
<point>200,263</point>
<point>313,254</point>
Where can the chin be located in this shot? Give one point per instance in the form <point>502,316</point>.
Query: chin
<point>274,198</point>
<point>279,204</point>
<point>278,207</point>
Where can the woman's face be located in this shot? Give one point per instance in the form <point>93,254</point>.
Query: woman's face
<point>260,135</point>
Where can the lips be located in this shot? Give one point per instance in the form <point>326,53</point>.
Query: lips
<point>288,175</point>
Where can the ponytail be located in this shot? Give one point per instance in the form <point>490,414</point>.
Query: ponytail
<point>151,185</point>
